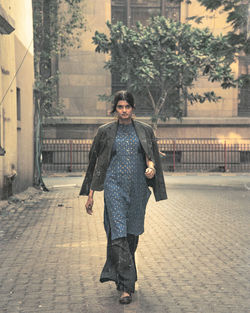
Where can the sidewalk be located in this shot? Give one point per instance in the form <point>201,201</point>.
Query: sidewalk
<point>193,258</point>
<point>81,174</point>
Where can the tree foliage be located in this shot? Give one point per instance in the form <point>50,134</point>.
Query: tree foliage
<point>57,25</point>
<point>237,17</point>
<point>164,59</point>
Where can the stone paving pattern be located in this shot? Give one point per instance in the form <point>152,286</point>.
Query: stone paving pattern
<point>193,257</point>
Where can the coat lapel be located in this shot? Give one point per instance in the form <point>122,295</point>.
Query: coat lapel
<point>111,133</point>
<point>142,136</point>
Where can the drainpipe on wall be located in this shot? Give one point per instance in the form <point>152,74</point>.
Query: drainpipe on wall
<point>2,151</point>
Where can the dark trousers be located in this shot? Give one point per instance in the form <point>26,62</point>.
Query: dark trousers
<point>120,265</point>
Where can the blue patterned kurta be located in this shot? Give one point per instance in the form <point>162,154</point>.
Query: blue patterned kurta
<point>125,188</point>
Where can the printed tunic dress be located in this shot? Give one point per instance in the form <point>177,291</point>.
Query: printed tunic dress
<point>125,188</point>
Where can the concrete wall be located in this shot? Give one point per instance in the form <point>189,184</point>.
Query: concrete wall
<point>16,61</point>
<point>25,133</point>
<point>82,75</point>
<point>8,100</point>
<point>227,106</point>
<point>189,127</point>
<point>24,81</point>
<point>83,78</point>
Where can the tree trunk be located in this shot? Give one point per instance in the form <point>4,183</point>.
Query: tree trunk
<point>42,69</point>
<point>38,180</point>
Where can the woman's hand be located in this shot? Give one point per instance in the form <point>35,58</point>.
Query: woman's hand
<point>89,205</point>
<point>90,202</point>
<point>150,172</point>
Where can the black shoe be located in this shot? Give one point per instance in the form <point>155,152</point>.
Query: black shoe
<point>125,300</point>
<point>118,287</point>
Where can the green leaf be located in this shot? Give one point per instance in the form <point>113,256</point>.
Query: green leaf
<point>167,57</point>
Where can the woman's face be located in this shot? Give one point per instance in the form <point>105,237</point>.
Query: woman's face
<point>124,110</point>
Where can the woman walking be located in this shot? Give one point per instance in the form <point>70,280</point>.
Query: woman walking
<point>123,161</point>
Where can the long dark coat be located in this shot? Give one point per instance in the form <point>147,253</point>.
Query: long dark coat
<point>100,156</point>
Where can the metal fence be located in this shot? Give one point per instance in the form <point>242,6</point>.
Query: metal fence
<point>182,154</point>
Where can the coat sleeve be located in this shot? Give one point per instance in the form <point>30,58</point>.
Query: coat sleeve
<point>157,182</point>
<point>93,155</point>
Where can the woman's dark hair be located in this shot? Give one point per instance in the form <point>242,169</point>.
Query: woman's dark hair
<point>125,96</point>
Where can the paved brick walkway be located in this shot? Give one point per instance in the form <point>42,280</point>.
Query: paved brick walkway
<point>193,258</point>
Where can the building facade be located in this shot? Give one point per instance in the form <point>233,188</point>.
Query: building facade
<point>16,96</point>
<point>83,78</point>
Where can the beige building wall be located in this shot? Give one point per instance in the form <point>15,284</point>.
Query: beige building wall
<point>8,99</point>
<point>227,106</point>
<point>83,77</point>
<point>16,61</point>
<point>24,81</point>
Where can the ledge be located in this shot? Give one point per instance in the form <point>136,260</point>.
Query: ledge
<point>172,122</point>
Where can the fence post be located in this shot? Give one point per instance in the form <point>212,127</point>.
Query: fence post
<point>225,155</point>
<point>174,147</point>
<point>70,168</point>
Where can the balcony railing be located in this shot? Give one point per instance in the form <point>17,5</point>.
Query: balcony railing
<point>178,155</point>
